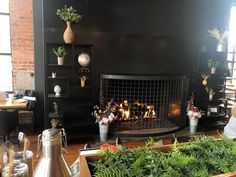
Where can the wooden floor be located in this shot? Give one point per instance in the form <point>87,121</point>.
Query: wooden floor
<point>74,146</point>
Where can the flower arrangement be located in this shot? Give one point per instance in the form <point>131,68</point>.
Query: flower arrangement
<point>194,112</point>
<point>103,117</point>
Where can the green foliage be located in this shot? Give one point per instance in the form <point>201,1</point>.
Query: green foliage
<point>68,14</point>
<point>59,51</point>
<point>221,37</point>
<point>203,157</point>
<point>212,63</point>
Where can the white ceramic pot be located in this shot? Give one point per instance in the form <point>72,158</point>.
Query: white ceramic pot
<point>103,131</point>
<point>213,70</point>
<point>220,47</point>
<point>60,60</point>
<point>193,122</point>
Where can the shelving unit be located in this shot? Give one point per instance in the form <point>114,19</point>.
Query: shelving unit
<point>75,103</point>
<point>215,108</point>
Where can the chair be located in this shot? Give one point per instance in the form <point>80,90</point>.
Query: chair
<point>8,123</point>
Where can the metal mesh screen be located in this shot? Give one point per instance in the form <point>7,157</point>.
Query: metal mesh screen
<point>151,101</point>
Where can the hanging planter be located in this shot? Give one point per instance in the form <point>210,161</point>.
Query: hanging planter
<point>212,64</point>
<point>69,15</point>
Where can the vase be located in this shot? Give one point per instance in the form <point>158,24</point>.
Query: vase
<point>103,131</point>
<point>220,47</point>
<point>82,82</point>
<point>193,122</point>
<point>60,60</point>
<point>68,35</point>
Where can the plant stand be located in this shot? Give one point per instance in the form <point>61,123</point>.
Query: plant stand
<point>103,131</point>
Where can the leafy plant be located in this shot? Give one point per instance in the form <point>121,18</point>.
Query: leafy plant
<point>221,37</point>
<point>203,157</point>
<point>212,63</point>
<point>59,51</point>
<point>69,14</point>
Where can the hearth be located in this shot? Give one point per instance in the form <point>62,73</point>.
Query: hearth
<point>145,105</point>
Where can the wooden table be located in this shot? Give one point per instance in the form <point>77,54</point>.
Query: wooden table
<point>15,105</point>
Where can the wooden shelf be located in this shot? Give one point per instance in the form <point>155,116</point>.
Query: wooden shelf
<point>56,65</point>
<point>54,96</point>
<point>58,77</point>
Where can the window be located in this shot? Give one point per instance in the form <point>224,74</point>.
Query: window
<point>5,48</point>
<point>231,58</point>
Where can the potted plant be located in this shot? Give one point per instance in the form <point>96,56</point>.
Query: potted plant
<point>60,52</point>
<point>193,114</point>
<point>69,15</point>
<point>103,118</point>
<point>213,64</point>
<point>221,38</point>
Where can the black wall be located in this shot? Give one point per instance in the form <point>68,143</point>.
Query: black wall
<point>161,37</point>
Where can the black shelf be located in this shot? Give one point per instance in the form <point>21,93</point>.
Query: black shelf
<point>75,102</point>
<point>54,96</point>
<point>58,77</point>
<point>60,66</point>
<point>216,81</point>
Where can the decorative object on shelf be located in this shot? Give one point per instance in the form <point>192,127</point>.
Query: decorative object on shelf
<point>57,90</point>
<point>54,75</point>
<point>60,52</point>
<point>69,15</point>
<point>103,118</point>
<point>82,81</point>
<point>205,77</point>
<point>193,114</point>
<point>221,38</point>
<point>211,92</point>
<point>11,98</point>
<point>213,64</point>
<point>84,60</point>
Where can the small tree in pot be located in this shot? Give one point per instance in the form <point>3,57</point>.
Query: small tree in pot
<point>69,15</point>
<point>221,38</point>
<point>213,64</point>
<point>60,52</point>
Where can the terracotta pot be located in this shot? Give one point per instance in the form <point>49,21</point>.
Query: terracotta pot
<point>60,60</point>
<point>68,35</point>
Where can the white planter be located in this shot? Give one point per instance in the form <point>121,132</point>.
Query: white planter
<point>103,131</point>
<point>210,97</point>
<point>60,60</point>
<point>220,47</point>
<point>213,70</point>
<point>193,122</point>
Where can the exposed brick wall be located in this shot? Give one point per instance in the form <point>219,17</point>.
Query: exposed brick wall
<point>21,24</point>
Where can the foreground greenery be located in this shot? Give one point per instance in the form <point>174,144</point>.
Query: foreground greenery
<point>201,158</point>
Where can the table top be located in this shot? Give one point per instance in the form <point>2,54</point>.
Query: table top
<point>14,105</point>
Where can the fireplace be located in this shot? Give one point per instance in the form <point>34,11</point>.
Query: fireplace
<point>145,105</point>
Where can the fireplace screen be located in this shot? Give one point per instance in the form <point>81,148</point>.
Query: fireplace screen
<point>145,102</point>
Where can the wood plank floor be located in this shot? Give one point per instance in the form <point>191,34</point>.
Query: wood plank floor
<point>74,146</point>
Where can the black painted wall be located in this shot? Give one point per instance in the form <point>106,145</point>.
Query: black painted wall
<point>161,37</point>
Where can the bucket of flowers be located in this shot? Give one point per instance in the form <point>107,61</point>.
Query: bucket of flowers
<point>194,114</point>
<point>103,117</point>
